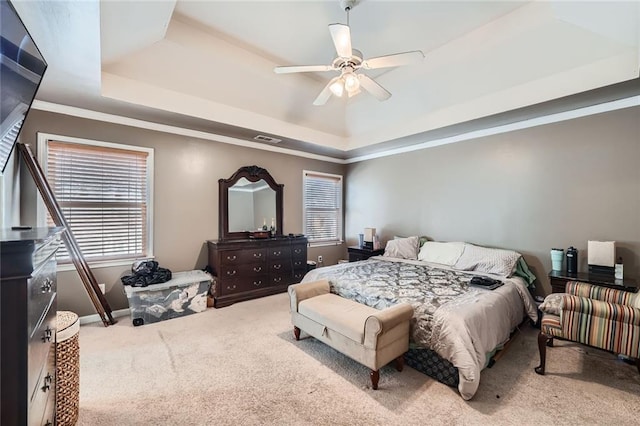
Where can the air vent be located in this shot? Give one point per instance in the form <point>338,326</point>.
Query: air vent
<point>263,138</point>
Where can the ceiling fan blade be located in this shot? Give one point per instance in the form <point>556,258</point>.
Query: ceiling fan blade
<point>394,60</point>
<point>370,85</point>
<point>324,96</point>
<point>302,68</point>
<point>341,35</point>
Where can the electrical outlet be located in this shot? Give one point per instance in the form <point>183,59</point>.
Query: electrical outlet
<point>102,288</point>
<point>320,259</point>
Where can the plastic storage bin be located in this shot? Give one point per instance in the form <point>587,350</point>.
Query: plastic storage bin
<point>184,294</point>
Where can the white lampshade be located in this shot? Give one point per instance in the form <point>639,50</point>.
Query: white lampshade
<point>337,88</point>
<point>351,82</point>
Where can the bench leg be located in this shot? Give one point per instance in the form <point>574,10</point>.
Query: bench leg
<point>375,376</point>
<point>296,332</point>
<point>400,363</point>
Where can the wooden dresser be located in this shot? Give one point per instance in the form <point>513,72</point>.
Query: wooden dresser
<point>28,326</point>
<point>252,268</point>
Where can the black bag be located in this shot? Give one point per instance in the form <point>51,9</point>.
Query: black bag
<point>485,282</point>
<point>145,273</point>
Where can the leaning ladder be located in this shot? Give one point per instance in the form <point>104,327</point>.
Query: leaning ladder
<point>86,275</point>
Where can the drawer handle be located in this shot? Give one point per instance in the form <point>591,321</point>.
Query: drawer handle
<point>277,266</point>
<point>297,251</point>
<point>47,286</point>
<point>257,255</point>
<point>297,263</point>
<point>46,337</point>
<point>277,279</point>
<point>277,253</point>
<point>231,273</point>
<point>257,283</point>
<point>47,380</point>
<point>233,287</point>
<point>232,257</point>
<point>257,269</point>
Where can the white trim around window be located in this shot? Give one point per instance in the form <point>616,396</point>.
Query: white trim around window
<point>109,153</point>
<point>322,212</point>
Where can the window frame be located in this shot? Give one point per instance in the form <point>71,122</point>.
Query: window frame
<point>41,211</point>
<point>340,231</point>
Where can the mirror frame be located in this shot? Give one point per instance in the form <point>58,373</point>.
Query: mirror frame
<point>252,174</point>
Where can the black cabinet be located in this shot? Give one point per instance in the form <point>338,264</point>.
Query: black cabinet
<point>558,280</point>
<point>357,253</point>
<point>28,307</point>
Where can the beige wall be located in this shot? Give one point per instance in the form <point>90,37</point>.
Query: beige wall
<point>530,190</point>
<point>185,197</point>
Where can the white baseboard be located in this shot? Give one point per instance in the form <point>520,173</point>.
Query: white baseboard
<point>88,319</point>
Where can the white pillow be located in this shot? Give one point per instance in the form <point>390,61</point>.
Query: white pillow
<point>442,253</point>
<point>488,260</point>
<point>402,248</point>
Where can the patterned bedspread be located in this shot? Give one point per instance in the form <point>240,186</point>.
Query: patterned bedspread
<point>460,322</point>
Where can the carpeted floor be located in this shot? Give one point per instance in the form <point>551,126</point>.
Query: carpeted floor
<point>240,365</point>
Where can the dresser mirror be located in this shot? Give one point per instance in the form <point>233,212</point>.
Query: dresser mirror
<point>249,200</point>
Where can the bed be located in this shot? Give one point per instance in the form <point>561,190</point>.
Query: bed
<point>462,324</point>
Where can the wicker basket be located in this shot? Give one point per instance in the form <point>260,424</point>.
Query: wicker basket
<point>67,368</point>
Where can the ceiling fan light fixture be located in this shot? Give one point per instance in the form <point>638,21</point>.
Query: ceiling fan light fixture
<point>351,82</point>
<point>337,87</point>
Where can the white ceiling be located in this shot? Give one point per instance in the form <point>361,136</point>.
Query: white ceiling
<point>209,64</point>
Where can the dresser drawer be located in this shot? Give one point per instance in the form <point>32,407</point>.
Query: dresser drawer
<point>280,267</point>
<point>558,285</point>
<point>42,401</point>
<point>241,284</point>
<point>44,251</point>
<point>299,264</point>
<point>40,345</point>
<point>284,278</point>
<point>41,289</point>
<point>298,274</point>
<point>299,252</point>
<point>281,252</point>
<point>242,271</point>
<point>239,257</point>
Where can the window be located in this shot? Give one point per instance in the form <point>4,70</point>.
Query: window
<point>322,207</point>
<point>104,192</point>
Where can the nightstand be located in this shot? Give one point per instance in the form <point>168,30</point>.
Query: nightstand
<point>357,253</point>
<point>559,280</point>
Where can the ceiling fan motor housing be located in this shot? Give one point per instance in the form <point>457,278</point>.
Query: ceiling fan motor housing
<point>348,4</point>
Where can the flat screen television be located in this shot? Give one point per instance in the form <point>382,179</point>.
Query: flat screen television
<point>21,70</point>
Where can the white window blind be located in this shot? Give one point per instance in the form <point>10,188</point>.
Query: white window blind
<point>103,194</point>
<point>322,207</point>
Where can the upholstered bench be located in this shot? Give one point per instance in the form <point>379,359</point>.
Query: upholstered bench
<point>369,336</point>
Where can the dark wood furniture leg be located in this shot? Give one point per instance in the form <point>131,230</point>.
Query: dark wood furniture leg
<point>543,342</point>
<point>296,332</point>
<point>638,364</point>
<point>400,363</point>
<point>375,376</point>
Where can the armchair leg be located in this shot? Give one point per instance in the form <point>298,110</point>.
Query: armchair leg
<point>375,376</point>
<point>638,364</point>
<point>296,332</point>
<point>543,342</point>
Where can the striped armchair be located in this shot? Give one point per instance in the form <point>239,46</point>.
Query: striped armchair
<point>597,316</point>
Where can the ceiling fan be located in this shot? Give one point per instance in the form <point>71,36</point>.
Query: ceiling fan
<point>349,61</point>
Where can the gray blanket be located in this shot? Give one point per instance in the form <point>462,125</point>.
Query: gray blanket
<point>460,322</point>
